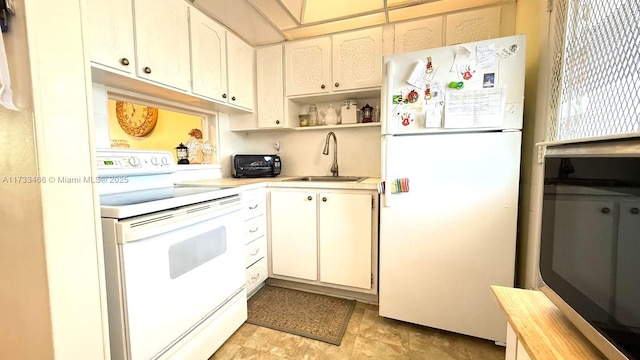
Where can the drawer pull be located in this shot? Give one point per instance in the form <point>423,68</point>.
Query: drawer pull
<point>254,229</point>
<point>635,211</point>
<point>253,207</point>
<point>255,252</point>
<point>255,277</point>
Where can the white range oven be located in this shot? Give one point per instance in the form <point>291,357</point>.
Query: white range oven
<point>174,259</point>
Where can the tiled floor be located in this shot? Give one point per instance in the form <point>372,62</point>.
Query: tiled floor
<point>368,336</point>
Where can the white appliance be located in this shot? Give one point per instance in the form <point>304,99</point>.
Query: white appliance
<point>174,259</point>
<point>451,167</point>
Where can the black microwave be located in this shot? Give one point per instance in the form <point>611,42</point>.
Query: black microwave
<point>590,242</point>
<point>253,166</point>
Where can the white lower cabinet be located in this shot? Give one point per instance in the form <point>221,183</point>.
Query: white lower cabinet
<point>324,237</point>
<point>294,250</point>
<point>254,202</point>
<point>515,350</point>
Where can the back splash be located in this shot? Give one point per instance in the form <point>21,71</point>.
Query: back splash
<point>301,151</point>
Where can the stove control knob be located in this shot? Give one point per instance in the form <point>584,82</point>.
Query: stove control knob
<point>165,161</point>
<point>134,161</point>
<point>154,161</point>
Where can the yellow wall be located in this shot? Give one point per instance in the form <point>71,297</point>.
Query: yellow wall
<point>171,129</point>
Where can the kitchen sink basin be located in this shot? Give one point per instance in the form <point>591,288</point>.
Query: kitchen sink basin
<point>328,178</point>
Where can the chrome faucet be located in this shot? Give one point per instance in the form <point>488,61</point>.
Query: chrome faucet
<point>325,151</point>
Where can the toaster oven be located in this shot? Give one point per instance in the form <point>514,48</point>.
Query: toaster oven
<point>246,166</point>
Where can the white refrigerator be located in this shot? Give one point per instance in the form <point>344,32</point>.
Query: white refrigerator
<point>451,169</point>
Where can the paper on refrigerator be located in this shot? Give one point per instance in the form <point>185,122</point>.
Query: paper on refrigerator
<point>474,108</point>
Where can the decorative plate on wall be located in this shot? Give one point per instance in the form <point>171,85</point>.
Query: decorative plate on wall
<point>136,120</point>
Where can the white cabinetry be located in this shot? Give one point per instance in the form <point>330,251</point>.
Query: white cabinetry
<point>474,25</point>
<point>308,66</point>
<point>515,350</point>
<point>270,87</point>
<point>324,236</point>
<point>345,239</point>
<point>357,59</point>
<point>208,56</point>
<point>240,72</point>
<point>110,34</point>
<point>342,62</point>
<point>418,35</point>
<point>256,241</point>
<point>162,42</point>
<point>294,250</point>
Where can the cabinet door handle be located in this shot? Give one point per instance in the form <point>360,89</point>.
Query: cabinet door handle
<point>233,98</point>
<point>309,198</point>
<point>322,86</point>
<point>124,61</point>
<point>147,70</point>
<point>277,122</point>
<point>324,199</point>
<point>255,276</point>
<point>337,84</point>
<point>224,96</point>
<point>635,211</point>
<point>605,210</point>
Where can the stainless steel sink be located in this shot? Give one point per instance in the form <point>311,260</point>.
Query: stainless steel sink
<point>328,178</point>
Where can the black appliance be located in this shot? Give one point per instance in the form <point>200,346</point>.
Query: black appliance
<point>254,166</point>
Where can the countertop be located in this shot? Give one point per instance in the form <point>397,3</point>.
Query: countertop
<point>369,183</point>
<point>543,330</point>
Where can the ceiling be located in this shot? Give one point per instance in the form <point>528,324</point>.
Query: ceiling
<point>261,22</point>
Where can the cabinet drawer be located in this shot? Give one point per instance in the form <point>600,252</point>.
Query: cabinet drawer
<point>255,251</point>
<point>254,204</point>
<point>256,274</point>
<point>255,228</point>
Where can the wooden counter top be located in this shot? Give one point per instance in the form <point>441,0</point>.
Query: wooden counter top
<point>543,330</point>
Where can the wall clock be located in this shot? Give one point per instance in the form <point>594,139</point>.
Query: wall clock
<point>136,120</point>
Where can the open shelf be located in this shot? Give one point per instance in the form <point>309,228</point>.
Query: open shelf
<point>340,126</point>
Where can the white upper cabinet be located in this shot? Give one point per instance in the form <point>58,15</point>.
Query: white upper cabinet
<point>208,57</point>
<point>110,34</point>
<point>418,35</point>
<point>162,42</point>
<point>240,72</point>
<point>357,59</point>
<point>270,87</point>
<point>346,61</point>
<point>308,66</point>
<point>473,25</point>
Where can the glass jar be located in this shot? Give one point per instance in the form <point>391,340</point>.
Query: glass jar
<point>313,115</point>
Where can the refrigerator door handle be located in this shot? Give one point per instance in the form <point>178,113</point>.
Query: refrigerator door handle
<point>390,69</point>
<point>386,176</point>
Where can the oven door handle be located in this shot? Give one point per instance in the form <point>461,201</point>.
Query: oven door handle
<point>129,231</point>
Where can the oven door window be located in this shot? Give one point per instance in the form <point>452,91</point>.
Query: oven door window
<point>174,280</point>
<point>193,252</point>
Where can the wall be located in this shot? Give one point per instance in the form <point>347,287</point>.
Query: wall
<point>171,129</point>
<point>532,19</point>
<point>301,151</point>
<point>52,286</point>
